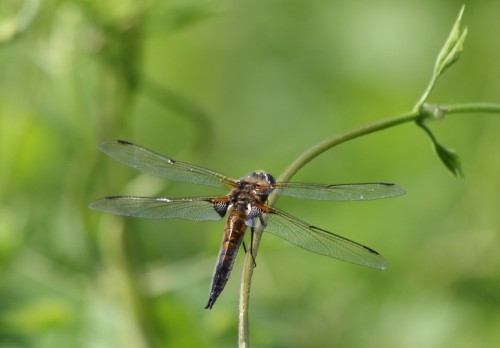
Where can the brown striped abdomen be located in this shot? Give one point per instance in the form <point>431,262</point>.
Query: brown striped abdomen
<point>233,237</point>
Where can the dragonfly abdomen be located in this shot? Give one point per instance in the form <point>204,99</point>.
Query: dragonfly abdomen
<point>233,237</point>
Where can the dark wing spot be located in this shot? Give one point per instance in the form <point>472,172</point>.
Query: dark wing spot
<point>124,142</point>
<point>220,207</point>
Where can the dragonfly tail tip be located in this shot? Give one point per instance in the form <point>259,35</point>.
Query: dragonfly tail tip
<point>210,303</point>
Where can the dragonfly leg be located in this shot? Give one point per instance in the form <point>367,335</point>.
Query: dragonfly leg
<point>251,246</point>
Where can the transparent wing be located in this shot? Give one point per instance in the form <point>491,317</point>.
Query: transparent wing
<point>155,164</point>
<point>196,209</point>
<point>320,241</point>
<point>342,192</point>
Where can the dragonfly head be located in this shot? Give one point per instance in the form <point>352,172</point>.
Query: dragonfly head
<point>260,178</point>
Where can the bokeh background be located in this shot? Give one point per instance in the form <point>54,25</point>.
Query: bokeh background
<point>239,86</point>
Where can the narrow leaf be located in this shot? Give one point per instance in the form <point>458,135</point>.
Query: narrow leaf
<point>448,55</point>
<point>449,158</point>
<point>451,50</point>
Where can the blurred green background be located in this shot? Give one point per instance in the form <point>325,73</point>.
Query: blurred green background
<point>239,86</point>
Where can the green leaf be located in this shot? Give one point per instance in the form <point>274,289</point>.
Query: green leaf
<point>453,46</point>
<point>449,54</point>
<point>449,158</point>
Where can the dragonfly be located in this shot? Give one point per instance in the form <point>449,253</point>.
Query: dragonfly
<point>246,207</point>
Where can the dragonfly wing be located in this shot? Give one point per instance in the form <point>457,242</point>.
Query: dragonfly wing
<point>196,209</point>
<point>342,192</point>
<point>155,164</point>
<point>321,241</point>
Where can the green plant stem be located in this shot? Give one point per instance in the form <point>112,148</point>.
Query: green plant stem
<point>470,108</point>
<point>427,92</point>
<point>426,112</point>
